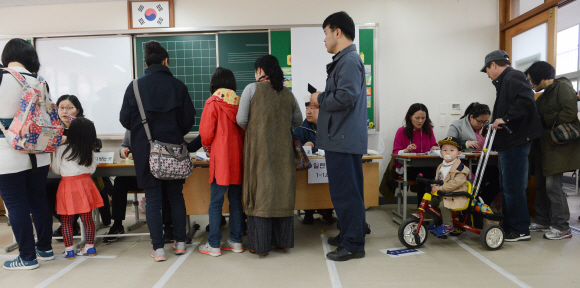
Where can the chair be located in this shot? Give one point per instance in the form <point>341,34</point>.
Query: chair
<point>401,192</point>
<point>138,222</point>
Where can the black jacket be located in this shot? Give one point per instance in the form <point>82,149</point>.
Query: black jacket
<point>169,111</point>
<point>306,133</point>
<point>515,104</point>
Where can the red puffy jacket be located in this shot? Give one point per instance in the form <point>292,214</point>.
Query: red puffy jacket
<point>219,131</point>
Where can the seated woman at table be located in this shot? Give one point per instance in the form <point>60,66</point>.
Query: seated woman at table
<point>307,136</point>
<point>470,126</point>
<point>416,136</point>
<point>469,129</point>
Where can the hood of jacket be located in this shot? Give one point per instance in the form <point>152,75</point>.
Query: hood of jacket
<point>227,101</point>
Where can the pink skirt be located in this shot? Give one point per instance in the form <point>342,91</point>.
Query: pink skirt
<point>76,195</point>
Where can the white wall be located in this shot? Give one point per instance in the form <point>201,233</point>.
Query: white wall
<point>430,50</point>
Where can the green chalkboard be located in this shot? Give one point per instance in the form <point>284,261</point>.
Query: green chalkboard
<point>239,51</point>
<point>192,59</point>
<point>281,48</point>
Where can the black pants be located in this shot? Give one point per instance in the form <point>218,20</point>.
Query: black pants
<point>346,184</point>
<point>105,211</point>
<point>124,184</point>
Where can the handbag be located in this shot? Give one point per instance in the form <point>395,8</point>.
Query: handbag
<point>300,157</point>
<point>564,133</point>
<point>166,161</point>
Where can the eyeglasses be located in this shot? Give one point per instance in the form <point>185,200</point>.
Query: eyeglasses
<point>482,122</point>
<point>66,108</point>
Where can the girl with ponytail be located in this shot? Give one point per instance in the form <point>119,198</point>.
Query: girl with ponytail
<point>269,188</point>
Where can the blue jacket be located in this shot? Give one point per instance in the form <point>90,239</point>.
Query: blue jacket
<point>342,119</point>
<point>306,133</point>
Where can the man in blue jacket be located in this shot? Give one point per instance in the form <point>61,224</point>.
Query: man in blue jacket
<point>306,134</point>
<point>342,134</point>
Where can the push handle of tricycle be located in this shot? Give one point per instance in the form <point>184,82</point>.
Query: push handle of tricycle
<point>426,181</point>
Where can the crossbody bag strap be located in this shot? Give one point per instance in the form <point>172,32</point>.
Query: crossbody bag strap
<point>142,112</point>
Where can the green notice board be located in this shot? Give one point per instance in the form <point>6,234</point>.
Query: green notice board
<point>192,59</point>
<point>281,47</point>
<point>366,43</point>
<point>239,51</point>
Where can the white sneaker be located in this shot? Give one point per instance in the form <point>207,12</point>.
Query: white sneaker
<point>207,249</point>
<point>159,254</point>
<point>179,248</point>
<point>556,234</point>
<point>535,227</point>
<point>229,245</point>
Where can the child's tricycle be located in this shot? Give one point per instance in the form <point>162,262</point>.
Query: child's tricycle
<point>413,232</point>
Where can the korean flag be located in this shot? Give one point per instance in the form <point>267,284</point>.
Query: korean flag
<point>150,14</point>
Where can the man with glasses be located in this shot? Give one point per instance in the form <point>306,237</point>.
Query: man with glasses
<point>515,108</point>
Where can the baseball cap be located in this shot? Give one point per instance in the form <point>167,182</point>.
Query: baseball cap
<point>495,56</point>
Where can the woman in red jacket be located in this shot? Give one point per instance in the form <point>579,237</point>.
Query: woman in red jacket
<point>222,140</point>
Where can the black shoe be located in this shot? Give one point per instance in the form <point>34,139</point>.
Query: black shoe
<point>58,233</point>
<point>341,254</point>
<point>114,230</point>
<point>514,236</point>
<point>368,230</point>
<point>327,216</point>
<point>335,241</point>
<point>308,218</point>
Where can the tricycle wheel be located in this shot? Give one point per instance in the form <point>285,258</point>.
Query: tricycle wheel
<point>491,237</point>
<point>408,233</point>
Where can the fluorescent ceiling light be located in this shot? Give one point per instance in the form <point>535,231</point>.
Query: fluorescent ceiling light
<point>120,68</point>
<point>77,51</point>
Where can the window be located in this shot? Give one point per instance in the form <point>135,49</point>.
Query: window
<point>567,58</point>
<point>519,7</point>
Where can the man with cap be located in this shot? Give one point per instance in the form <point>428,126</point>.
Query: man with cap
<point>515,108</point>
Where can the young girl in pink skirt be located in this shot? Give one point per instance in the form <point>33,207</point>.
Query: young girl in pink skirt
<point>77,194</point>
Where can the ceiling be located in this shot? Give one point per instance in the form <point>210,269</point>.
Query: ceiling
<point>8,3</point>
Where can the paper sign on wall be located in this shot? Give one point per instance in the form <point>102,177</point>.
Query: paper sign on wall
<point>104,157</point>
<point>317,174</point>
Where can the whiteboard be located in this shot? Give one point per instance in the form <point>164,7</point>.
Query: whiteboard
<point>309,59</point>
<point>96,70</point>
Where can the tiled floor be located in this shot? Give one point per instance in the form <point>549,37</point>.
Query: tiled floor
<point>445,263</point>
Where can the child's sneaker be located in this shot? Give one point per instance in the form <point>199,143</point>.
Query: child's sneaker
<point>19,264</point>
<point>70,255</point>
<point>159,254</point>
<point>87,252</point>
<point>229,245</point>
<point>432,226</point>
<point>535,227</point>
<point>443,230</point>
<point>556,234</point>
<point>179,248</point>
<point>44,255</point>
<point>207,249</point>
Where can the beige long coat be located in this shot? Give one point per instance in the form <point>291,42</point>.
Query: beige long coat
<point>269,166</point>
<point>455,181</point>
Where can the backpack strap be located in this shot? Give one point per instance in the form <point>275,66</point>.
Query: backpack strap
<point>18,77</point>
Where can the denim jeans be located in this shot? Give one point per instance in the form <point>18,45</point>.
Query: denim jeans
<point>513,166</point>
<point>551,203</point>
<point>215,213</point>
<point>154,200</point>
<point>24,193</point>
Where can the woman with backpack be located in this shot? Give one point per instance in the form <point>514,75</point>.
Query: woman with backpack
<point>23,188</point>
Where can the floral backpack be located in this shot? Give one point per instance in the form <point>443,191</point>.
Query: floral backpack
<point>36,128</point>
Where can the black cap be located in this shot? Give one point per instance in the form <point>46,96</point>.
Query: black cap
<point>452,141</point>
<point>495,56</point>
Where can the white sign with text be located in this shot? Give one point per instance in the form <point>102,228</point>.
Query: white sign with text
<point>317,174</point>
<point>104,157</point>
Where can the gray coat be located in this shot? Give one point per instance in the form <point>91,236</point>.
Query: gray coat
<point>342,120</point>
<point>462,129</point>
